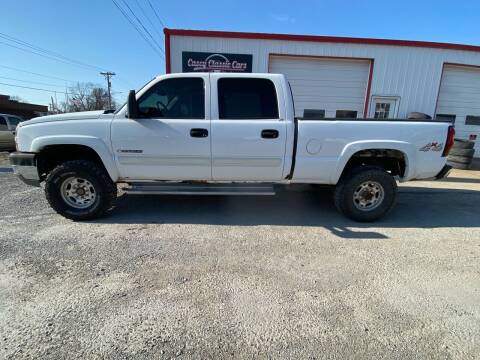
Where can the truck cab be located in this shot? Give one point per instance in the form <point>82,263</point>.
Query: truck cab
<point>211,126</point>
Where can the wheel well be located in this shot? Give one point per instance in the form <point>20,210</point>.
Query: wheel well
<point>392,161</point>
<point>53,155</point>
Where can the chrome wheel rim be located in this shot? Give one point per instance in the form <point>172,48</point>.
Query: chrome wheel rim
<point>368,195</point>
<point>78,193</point>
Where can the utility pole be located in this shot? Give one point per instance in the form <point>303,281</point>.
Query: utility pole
<point>108,75</point>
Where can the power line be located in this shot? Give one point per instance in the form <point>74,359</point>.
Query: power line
<point>47,90</point>
<point>136,28</point>
<point>46,53</point>
<point>148,18</point>
<point>34,73</point>
<point>32,82</point>
<point>143,27</point>
<point>34,52</point>
<point>156,15</point>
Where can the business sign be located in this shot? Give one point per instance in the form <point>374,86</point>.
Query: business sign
<point>216,62</point>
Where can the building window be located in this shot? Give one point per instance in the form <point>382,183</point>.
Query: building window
<point>346,114</point>
<point>180,98</point>
<point>472,120</point>
<point>384,107</point>
<point>446,117</point>
<point>242,98</point>
<point>382,110</point>
<point>313,114</point>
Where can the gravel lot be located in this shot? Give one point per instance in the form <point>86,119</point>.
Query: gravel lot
<point>242,277</point>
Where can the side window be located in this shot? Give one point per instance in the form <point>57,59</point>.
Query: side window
<point>3,124</point>
<point>13,121</point>
<point>180,98</point>
<point>241,98</point>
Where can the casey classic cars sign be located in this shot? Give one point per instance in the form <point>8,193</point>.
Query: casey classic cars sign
<point>218,62</point>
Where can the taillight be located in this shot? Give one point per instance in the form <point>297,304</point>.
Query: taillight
<point>450,140</point>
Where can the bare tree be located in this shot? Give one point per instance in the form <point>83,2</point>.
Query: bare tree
<point>86,97</point>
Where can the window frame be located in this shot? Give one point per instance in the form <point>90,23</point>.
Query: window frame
<point>205,102</point>
<point>275,90</point>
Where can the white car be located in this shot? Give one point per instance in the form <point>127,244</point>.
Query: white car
<point>8,124</point>
<point>223,133</point>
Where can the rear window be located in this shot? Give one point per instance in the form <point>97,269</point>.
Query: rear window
<point>240,98</point>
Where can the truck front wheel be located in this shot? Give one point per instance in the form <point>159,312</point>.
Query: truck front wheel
<point>366,193</point>
<point>80,190</point>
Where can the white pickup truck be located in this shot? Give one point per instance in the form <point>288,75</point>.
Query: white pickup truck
<point>222,134</point>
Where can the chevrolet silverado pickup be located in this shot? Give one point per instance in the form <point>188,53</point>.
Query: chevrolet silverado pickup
<point>222,134</point>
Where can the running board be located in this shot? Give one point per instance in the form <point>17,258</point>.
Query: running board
<point>199,189</point>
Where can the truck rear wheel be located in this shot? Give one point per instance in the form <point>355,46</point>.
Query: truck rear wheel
<point>80,190</point>
<point>366,193</point>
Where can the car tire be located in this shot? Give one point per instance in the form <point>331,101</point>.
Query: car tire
<point>458,165</point>
<point>380,189</point>
<point>463,144</point>
<point>462,152</point>
<point>80,190</point>
<point>460,159</point>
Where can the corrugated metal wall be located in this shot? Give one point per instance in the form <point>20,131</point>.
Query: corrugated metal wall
<point>412,73</point>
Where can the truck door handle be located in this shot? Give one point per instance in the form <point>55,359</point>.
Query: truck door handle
<point>269,134</point>
<point>199,133</point>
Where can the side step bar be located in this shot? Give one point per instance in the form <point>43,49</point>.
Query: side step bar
<point>199,189</point>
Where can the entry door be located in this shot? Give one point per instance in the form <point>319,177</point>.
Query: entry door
<point>171,139</point>
<point>248,135</point>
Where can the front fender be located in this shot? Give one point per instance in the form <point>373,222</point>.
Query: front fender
<point>350,149</point>
<point>96,144</point>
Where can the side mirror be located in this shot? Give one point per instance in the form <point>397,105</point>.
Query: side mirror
<point>132,106</point>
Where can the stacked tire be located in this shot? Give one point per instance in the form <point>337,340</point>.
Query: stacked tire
<point>461,155</point>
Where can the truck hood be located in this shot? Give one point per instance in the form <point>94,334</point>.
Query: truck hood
<point>83,115</point>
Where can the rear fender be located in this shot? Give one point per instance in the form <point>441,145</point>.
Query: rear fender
<point>354,147</point>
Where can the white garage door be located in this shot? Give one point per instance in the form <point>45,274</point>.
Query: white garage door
<point>459,97</point>
<point>333,87</point>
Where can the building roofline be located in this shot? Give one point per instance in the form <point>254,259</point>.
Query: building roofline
<point>318,38</point>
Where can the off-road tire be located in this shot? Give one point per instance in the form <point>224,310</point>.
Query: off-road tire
<point>463,144</point>
<point>460,159</point>
<point>457,165</point>
<point>105,188</point>
<point>462,152</point>
<point>349,182</point>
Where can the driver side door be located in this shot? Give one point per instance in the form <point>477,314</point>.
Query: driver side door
<point>171,139</point>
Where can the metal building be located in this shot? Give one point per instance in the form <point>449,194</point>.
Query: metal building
<point>346,77</point>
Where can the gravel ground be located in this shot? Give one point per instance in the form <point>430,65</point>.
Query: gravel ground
<point>242,277</point>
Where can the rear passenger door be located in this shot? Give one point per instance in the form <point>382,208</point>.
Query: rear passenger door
<point>248,128</point>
